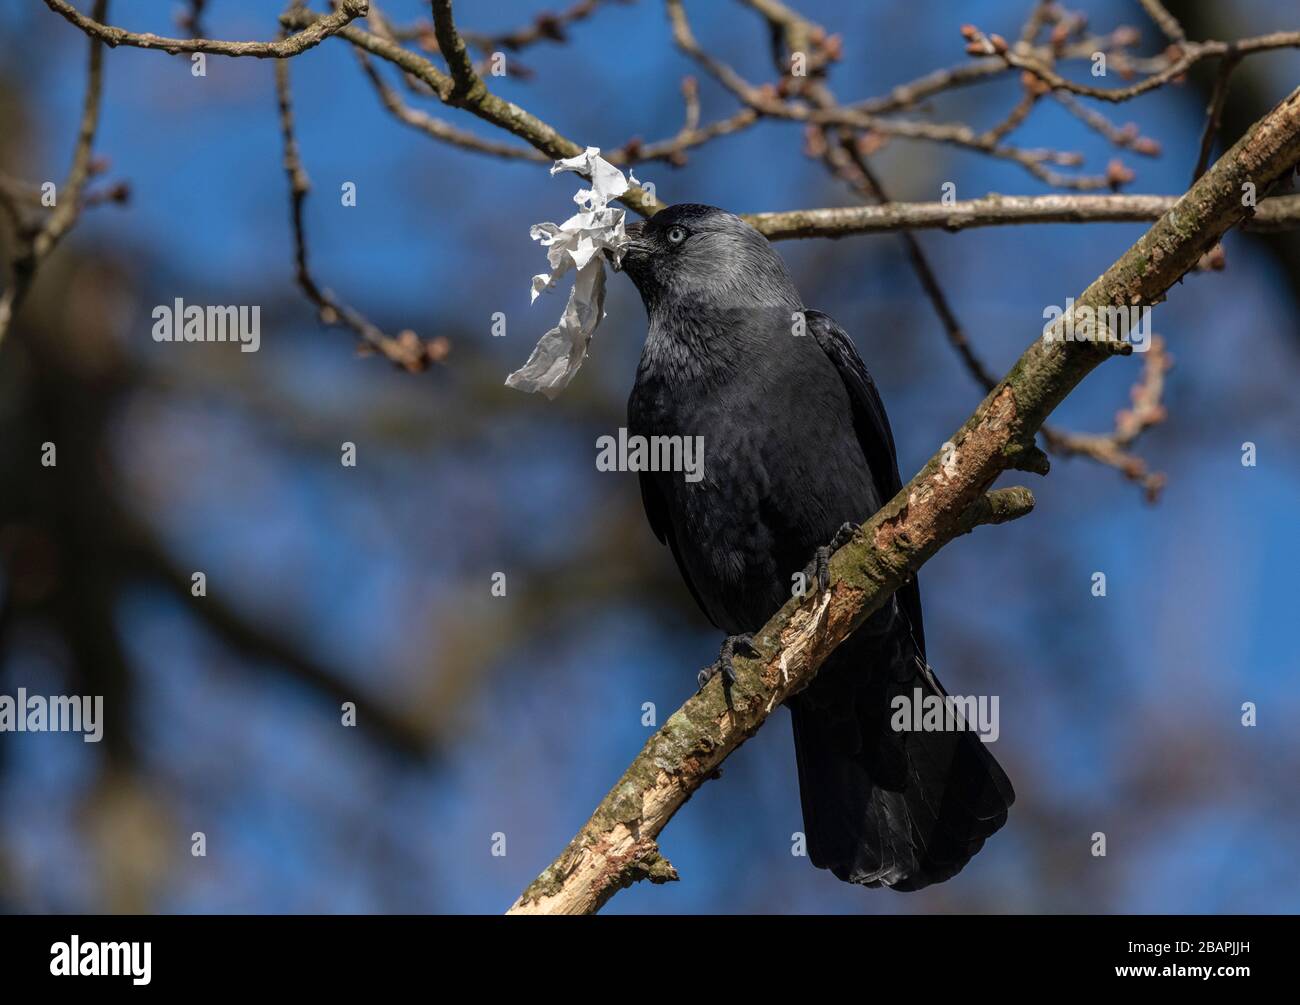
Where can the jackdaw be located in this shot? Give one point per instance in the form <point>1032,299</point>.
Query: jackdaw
<point>797,450</point>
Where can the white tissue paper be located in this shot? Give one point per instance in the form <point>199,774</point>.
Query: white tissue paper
<point>576,243</point>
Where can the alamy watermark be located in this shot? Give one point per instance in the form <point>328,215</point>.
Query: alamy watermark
<point>651,453</point>
<point>75,713</point>
<point>181,322</point>
<point>1085,323</point>
<point>946,713</point>
<point>75,958</point>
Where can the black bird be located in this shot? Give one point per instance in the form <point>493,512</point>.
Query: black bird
<point>797,449</point>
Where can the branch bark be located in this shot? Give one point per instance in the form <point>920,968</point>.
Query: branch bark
<point>1274,214</point>
<point>466,90</point>
<point>312,34</point>
<point>948,497</point>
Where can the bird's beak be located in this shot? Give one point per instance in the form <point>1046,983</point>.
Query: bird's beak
<point>633,230</point>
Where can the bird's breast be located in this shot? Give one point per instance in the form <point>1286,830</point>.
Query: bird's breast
<point>781,471</point>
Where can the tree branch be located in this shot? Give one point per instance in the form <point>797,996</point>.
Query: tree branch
<point>407,350</point>
<point>476,99</point>
<point>946,498</point>
<point>847,160</point>
<point>312,35</point>
<point>1274,214</point>
<point>34,247</point>
<point>1112,449</point>
<point>1189,54</point>
<point>957,134</point>
<point>1165,21</point>
<point>398,729</point>
<point>437,128</point>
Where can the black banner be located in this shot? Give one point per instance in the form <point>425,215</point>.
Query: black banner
<point>336,954</point>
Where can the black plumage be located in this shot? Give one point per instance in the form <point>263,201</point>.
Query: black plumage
<point>796,444</point>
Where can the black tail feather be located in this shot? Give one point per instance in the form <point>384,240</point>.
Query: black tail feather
<point>883,807</point>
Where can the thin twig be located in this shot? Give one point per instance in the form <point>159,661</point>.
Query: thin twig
<point>847,160</point>
<point>1191,53</point>
<point>475,98</point>
<point>1214,113</point>
<point>1164,20</point>
<point>545,27</point>
<point>407,350</point>
<point>32,249</point>
<point>955,134</point>
<point>1126,137</point>
<point>1112,449</point>
<point>282,48</point>
<point>438,129</point>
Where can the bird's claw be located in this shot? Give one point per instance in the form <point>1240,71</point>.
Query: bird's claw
<point>722,665</point>
<point>820,568</point>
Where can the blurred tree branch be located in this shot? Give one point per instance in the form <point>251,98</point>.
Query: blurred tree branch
<point>35,244</point>
<point>1251,94</point>
<point>146,558</point>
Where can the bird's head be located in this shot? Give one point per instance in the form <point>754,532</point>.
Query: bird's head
<point>692,255</point>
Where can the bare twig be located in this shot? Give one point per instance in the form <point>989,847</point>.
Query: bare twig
<point>547,26</point>
<point>33,248</point>
<point>472,95</point>
<point>466,82</point>
<point>976,71</point>
<point>766,102</point>
<point>1214,113</point>
<point>848,161</point>
<point>1112,449</point>
<point>1190,53</point>
<point>1164,20</point>
<point>691,135</point>
<point>437,128</point>
<point>1126,137</point>
<point>407,350</point>
<point>283,48</point>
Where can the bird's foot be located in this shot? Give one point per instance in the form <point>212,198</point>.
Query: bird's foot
<point>743,644</point>
<point>820,567</point>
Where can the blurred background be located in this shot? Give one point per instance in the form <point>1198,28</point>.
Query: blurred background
<point>482,715</point>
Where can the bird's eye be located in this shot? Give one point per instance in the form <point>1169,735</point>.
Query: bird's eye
<point>676,235</point>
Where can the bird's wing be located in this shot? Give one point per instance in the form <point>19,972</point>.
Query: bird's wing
<point>657,513</point>
<point>874,435</point>
<point>639,404</point>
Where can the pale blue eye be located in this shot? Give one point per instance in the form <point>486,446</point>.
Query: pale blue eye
<point>676,234</point>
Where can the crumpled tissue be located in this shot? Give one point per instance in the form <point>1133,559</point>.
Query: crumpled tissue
<point>576,243</point>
